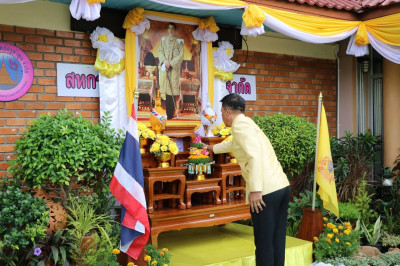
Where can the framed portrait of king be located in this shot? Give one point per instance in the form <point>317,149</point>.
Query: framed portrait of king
<point>169,66</point>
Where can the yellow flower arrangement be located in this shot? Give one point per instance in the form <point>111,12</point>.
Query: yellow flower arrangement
<point>228,138</point>
<point>222,131</point>
<point>163,144</point>
<point>340,240</point>
<point>145,132</point>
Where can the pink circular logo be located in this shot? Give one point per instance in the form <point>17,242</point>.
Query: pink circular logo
<point>16,72</point>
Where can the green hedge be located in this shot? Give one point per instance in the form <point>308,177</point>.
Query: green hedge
<point>293,139</point>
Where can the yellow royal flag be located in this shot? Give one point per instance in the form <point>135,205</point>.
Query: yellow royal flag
<point>324,170</point>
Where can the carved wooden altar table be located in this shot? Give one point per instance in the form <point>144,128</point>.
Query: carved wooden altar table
<point>224,171</point>
<point>153,175</point>
<point>207,185</point>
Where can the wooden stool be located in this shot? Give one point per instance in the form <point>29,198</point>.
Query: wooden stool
<point>153,175</point>
<point>207,185</point>
<point>223,171</point>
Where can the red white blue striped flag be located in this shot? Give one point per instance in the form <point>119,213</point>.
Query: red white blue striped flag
<point>127,187</point>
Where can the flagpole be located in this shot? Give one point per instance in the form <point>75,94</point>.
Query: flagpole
<point>316,151</point>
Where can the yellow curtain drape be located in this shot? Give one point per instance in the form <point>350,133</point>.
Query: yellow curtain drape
<point>385,29</point>
<point>253,16</point>
<point>91,2</point>
<point>312,24</point>
<point>210,62</point>
<point>131,68</point>
<point>222,75</point>
<point>208,23</point>
<point>134,17</point>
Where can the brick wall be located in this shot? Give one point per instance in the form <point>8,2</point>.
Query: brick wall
<point>45,48</point>
<point>291,85</point>
<point>286,84</point>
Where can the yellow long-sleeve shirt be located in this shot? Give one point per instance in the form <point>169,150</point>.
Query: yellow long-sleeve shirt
<point>255,155</point>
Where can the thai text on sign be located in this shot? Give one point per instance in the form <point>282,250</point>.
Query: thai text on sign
<point>77,80</point>
<point>244,85</point>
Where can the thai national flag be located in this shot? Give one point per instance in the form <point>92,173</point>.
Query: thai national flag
<point>127,187</point>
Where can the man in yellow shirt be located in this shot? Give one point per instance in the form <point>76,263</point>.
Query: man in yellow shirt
<point>267,187</point>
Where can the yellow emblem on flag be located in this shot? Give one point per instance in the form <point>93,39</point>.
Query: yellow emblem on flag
<point>325,175</point>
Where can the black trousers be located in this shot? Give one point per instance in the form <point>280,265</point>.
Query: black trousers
<point>171,105</point>
<point>270,229</point>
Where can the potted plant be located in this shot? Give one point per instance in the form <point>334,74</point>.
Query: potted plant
<point>57,151</point>
<point>373,236</point>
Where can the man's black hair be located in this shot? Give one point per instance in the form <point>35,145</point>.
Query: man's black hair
<point>235,102</point>
<point>173,24</point>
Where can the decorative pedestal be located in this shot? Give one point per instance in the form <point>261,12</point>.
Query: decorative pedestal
<point>311,224</point>
<point>206,185</point>
<point>164,175</point>
<point>223,171</point>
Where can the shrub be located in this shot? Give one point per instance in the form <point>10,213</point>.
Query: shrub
<point>293,139</point>
<point>389,240</point>
<point>23,220</point>
<point>157,257</point>
<point>60,149</point>
<point>348,211</point>
<point>336,240</point>
<point>352,157</point>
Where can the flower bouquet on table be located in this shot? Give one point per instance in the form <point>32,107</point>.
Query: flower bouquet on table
<point>144,133</point>
<point>222,131</point>
<point>199,161</point>
<point>163,147</point>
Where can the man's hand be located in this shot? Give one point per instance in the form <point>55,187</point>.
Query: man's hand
<point>256,202</point>
<point>209,148</point>
<point>167,64</point>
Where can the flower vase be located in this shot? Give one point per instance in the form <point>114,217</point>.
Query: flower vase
<point>232,158</point>
<point>142,144</point>
<point>200,177</point>
<point>164,159</point>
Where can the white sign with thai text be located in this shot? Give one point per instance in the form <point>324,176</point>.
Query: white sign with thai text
<point>244,85</point>
<point>77,80</point>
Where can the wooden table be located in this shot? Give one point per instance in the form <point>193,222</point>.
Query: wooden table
<point>223,171</point>
<point>198,216</point>
<point>207,185</point>
<point>153,175</point>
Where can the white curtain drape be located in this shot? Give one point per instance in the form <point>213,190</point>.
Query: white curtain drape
<point>112,99</point>
<point>188,4</point>
<point>82,9</point>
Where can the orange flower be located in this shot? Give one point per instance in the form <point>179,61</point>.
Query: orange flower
<point>147,258</point>
<point>161,253</point>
